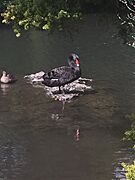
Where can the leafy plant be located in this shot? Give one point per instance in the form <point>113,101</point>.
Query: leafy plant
<point>130,135</point>
<point>129,171</point>
<point>26,14</point>
<point>127,17</point>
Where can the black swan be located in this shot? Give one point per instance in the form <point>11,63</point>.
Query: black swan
<point>64,74</point>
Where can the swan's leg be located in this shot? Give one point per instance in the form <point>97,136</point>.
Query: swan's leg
<point>59,89</point>
<point>63,92</point>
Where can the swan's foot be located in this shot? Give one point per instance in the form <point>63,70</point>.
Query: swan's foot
<point>61,90</point>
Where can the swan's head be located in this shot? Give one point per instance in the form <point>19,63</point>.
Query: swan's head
<point>74,60</point>
<point>4,73</point>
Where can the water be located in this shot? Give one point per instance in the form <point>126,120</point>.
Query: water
<point>38,136</point>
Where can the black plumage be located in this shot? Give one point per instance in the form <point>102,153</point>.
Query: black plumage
<point>64,74</point>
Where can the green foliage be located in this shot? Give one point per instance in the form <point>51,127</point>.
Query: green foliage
<point>129,171</point>
<point>130,134</point>
<point>127,18</point>
<point>96,2</point>
<point>26,14</point>
<point>45,14</point>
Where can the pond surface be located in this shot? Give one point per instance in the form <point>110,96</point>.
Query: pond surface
<point>38,136</point>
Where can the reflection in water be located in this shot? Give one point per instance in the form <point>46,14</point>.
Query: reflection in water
<point>4,88</point>
<point>57,116</point>
<point>123,155</point>
<point>11,160</point>
<point>77,134</point>
<point>60,119</point>
<point>63,105</point>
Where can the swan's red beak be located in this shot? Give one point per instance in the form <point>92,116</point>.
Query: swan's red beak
<point>77,62</point>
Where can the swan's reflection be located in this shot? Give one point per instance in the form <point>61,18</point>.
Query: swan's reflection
<point>57,116</point>
<point>63,121</point>
<point>4,88</point>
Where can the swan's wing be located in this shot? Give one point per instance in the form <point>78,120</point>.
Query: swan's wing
<point>65,75</point>
<point>59,72</point>
<point>59,76</point>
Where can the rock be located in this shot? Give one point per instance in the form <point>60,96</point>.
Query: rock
<point>70,90</point>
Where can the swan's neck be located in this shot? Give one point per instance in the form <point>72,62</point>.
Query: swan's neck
<point>4,74</point>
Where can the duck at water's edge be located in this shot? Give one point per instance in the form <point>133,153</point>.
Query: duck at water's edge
<point>6,78</point>
<point>64,74</point>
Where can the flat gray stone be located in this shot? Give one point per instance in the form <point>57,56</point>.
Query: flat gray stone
<point>70,90</point>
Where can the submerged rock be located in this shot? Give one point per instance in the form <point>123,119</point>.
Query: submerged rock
<point>70,90</point>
